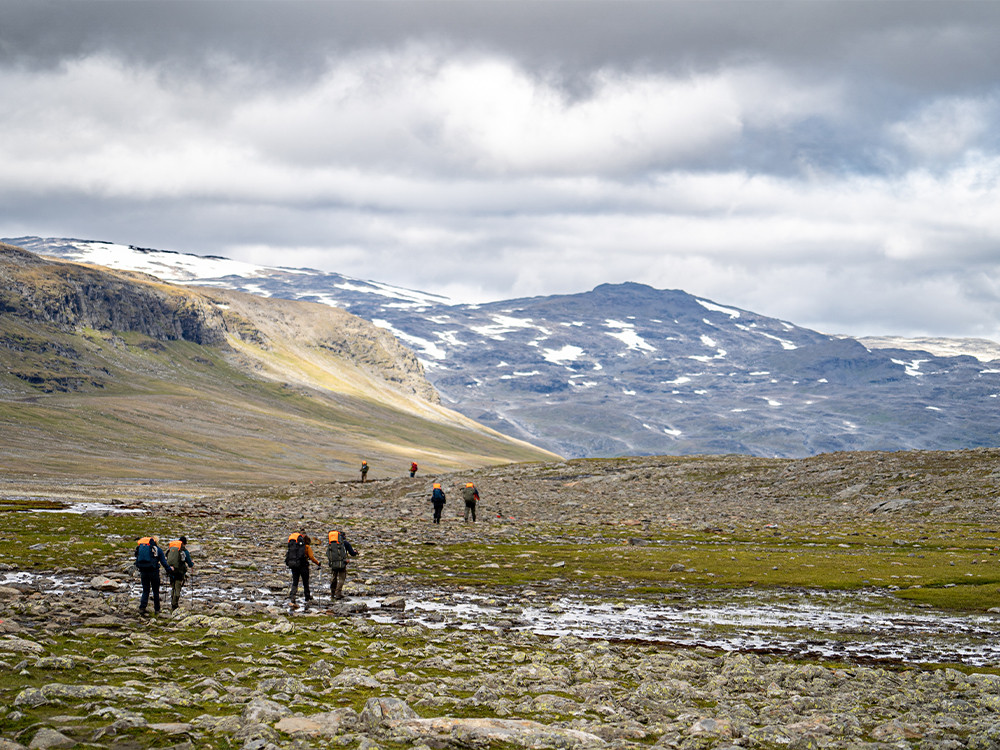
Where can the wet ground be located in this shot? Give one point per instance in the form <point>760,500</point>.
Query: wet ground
<point>849,626</point>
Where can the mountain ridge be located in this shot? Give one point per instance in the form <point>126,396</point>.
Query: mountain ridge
<point>630,370</point>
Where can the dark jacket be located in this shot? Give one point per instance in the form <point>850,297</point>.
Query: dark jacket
<point>437,497</point>
<point>158,559</point>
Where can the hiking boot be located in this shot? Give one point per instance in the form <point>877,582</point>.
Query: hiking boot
<point>143,612</point>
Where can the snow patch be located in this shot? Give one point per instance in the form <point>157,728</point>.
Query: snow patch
<point>911,368</point>
<point>423,346</point>
<point>718,308</point>
<point>627,335</point>
<point>568,353</point>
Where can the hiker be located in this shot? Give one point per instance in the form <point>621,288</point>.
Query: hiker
<point>413,469</point>
<point>438,498</point>
<point>179,559</point>
<point>364,471</point>
<point>471,495</point>
<point>297,558</point>
<point>148,559</point>
<point>337,550</point>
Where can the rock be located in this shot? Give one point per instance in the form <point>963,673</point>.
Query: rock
<point>263,711</point>
<point>46,738</point>
<point>31,697</point>
<point>353,677</point>
<point>478,732</point>
<point>10,745</point>
<point>890,505</point>
<point>54,662</point>
<point>176,727</point>
<point>20,645</point>
<point>103,583</point>
<point>677,568</point>
<point>394,602</point>
<point>722,728</point>
<point>378,710</point>
<point>299,725</point>
<point>9,592</point>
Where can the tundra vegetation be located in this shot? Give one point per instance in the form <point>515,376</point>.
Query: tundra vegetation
<point>233,667</point>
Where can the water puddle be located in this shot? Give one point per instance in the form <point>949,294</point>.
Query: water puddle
<point>91,509</point>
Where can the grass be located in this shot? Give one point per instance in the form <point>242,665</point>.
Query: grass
<point>957,569</point>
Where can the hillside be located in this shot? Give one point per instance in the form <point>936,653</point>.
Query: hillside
<point>107,373</point>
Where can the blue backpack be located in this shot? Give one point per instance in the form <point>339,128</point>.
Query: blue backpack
<point>144,551</point>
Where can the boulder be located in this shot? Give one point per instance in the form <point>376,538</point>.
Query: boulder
<point>262,710</point>
<point>379,710</point>
<point>45,738</point>
<point>103,583</point>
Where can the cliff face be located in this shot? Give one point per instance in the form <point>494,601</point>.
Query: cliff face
<point>71,296</point>
<point>76,296</point>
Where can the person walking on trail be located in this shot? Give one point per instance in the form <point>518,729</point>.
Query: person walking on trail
<point>439,499</point>
<point>148,559</point>
<point>337,550</point>
<point>297,558</point>
<point>413,469</point>
<point>471,496</point>
<point>364,471</point>
<point>179,559</point>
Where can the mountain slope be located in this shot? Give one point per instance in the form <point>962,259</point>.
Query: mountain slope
<point>630,370</point>
<point>118,374</point>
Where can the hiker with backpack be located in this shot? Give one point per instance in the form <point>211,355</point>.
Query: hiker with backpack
<point>179,559</point>
<point>297,558</point>
<point>438,499</point>
<point>364,472</point>
<point>413,469</point>
<point>337,550</point>
<point>471,495</point>
<point>148,559</point>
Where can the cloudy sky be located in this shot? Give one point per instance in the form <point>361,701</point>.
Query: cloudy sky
<point>833,164</point>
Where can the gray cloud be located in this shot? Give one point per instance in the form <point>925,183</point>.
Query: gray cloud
<point>835,164</point>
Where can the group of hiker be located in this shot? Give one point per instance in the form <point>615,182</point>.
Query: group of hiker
<point>149,557</point>
<point>470,494</point>
<point>300,553</point>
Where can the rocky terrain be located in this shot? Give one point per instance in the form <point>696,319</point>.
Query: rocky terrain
<point>446,639</point>
<point>625,369</point>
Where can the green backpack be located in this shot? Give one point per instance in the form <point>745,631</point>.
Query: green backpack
<point>336,552</point>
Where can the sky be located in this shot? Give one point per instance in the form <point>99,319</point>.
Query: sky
<point>833,164</point>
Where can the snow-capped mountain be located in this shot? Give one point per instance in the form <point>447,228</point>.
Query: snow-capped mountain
<point>628,369</point>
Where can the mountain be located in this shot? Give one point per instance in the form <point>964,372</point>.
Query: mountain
<point>116,373</point>
<point>630,370</point>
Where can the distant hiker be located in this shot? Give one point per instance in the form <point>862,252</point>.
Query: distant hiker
<point>297,558</point>
<point>148,559</point>
<point>471,495</point>
<point>413,469</point>
<point>179,559</point>
<point>337,550</point>
<point>364,471</point>
<point>438,498</point>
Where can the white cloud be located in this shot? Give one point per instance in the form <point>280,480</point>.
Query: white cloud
<point>794,192</point>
